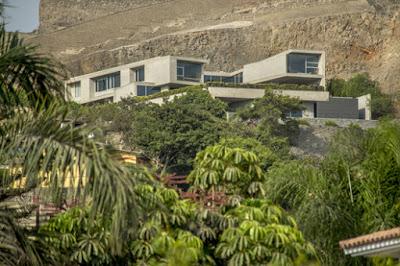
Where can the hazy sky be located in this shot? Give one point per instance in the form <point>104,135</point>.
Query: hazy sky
<point>22,15</point>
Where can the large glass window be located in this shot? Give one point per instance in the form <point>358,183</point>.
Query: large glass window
<point>295,114</point>
<point>147,90</point>
<point>138,74</point>
<point>107,82</point>
<point>227,79</point>
<point>75,89</point>
<point>238,78</point>
<point>188,71</point>
<point>303,63</point>
<point>209,78</point>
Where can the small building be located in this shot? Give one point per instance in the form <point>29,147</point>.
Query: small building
<point>379,244</point>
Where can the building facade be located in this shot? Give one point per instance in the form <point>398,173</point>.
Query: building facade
<point>136,79</point>
<point>147,77</point>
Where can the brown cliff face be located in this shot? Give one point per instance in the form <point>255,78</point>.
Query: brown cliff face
<point>358,35</point>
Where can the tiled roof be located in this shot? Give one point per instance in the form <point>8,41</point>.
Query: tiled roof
<point>370,238</point>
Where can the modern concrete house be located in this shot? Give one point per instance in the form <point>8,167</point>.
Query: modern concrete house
<point>136,79</point>
<point>169,72</point>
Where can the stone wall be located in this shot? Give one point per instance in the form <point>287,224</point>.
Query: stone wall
<point>315,137</point>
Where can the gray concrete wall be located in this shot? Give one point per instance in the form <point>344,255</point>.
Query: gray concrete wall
<point>338,108</point>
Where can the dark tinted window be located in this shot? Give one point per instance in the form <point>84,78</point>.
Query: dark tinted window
<point>147,90</point>
<point>303,63</point>
<point>138,74</point>
<point>189,71</point>
<point>107,82</point>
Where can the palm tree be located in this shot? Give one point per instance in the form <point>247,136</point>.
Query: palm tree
<point>36,144</point>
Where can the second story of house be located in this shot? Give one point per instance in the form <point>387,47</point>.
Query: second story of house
<point>136,79</point>
<point>292,66</point>
<point>168,72</point>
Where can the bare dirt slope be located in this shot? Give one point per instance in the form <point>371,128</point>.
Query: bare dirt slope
<point>358,35</point>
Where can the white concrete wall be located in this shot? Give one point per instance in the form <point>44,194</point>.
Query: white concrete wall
<point>159,71</point>
<point>125,91</point>
<point>85,90</point>
<point>364,107</point>
<point>309,110</point>
<point>250,93</point>
<point>236,93</point>
<point>274,66</point>
<point>126,76</point>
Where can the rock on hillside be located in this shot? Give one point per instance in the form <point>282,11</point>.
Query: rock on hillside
<point>358,35</point>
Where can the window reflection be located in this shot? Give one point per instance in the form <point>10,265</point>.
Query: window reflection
<point>303,63</point>
<point>188,71</point>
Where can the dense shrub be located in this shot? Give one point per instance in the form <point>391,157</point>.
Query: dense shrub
<point>361,84</point>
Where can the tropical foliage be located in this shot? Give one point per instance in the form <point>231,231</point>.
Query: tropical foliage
<point>127,216</point>
<point>270,118</point>
<point>37,147</point>
<point>233,171</point>
<point>178,232</point>
<point>351,192</point>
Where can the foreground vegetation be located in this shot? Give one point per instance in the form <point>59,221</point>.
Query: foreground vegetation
<point>348,193</point>
<point>254,203</point>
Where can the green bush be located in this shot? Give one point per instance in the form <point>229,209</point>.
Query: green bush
<point>331,123</point>
<point>361,84</point>
<point>168,93</point>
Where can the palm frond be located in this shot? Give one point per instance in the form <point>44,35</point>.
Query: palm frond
<point>14,247</point>
<point>26,77</point>
<point>47,151</point>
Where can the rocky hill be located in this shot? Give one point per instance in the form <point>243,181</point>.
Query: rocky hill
<point>358,35</point>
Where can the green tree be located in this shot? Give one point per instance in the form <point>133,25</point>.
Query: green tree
<point>269,116</point>
<point>74,238</point>
<point>361,84</point>
<point>353,191</point>
<point>265,155</point>
<point>265,235</point>
<point>175,131</point>
<point>233,171</point>
<point>320,204</point>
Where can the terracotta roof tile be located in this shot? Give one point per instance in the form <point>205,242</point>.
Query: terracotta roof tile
<point>370,238</point>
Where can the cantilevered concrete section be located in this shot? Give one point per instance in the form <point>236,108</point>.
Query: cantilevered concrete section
<point>136,79</point>
<point>292,66</point>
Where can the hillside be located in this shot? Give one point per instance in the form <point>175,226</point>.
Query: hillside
<point>358,35</point>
